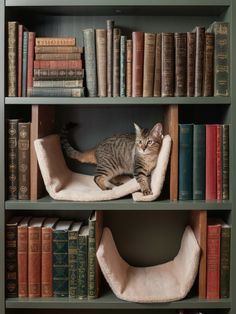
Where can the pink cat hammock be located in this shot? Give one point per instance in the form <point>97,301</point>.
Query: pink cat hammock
<point>64,184</point>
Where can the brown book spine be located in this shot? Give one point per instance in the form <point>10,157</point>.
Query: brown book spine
<point>58,74</point>
<point>31,42</point>
<point>34,261</point>
<point>24,161</point>
<point>129,68</point>
<point>12,58</point>
<point>157,71</point>
<point>57,49</point>
<point>110,26</point>
<point>22,257</point>
<point>59,64</point>
<point>20,56</point>
<point>149,63</point>
<point>167,84</point>
<point>46,274</point>
<point>208,67</point>
<point>137,67</point>
<point>101,46</point>
<point>55,41</point>
<point>57,56</point>
<point>200,41</point>
<point>180,64</point>
<point>191,56</point>
<point>116,62</point>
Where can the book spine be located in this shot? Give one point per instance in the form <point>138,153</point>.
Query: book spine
<point>11,262</point>
<point>46,272</point>
<point>225,262</point>
<point>208,67</point>
<point>199,160</point>
<point>149,64</point>
<point>116,62</point>
<point>92,293</point>
<point>73,263</point>
<point>57,49</point>
<point>185,162</point>
<point>31,42</point>
<point>129,68</point>
<point>12,159</point>
<point>55,41</point>
<point>57,56</point>
<point>225,162</point>
<point>60,64</point>
<point>218,162</point>
<point>60,263</point>
<point>137,66</point>
<point>57,84</point>
<point>157,71</point>
<point>122,66</point>
<point>22,261</point>
<point>213,261</point>
<point>167,84</point>
<point>101,49</point>
<point>56,92</point>
<point>58,74</point>
<point>24,161</point>
<point>83,267</point>
<point>24,63</point>
<point>200,41</point>
<point>211,162</point>
<point>180,64</point>
<point>191,59</point>
<point>20,56</point>
<point>110,26</point>
<point>34,261</point>
<point>12,58</point>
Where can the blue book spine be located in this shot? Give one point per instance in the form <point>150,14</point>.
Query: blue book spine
<point>122,66</point>
<point>24,63</point>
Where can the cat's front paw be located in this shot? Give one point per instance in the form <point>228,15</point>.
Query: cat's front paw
<point>147,192</point>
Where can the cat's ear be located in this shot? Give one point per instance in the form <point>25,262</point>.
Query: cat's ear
<point>137,130</point>
<point>157,130</point>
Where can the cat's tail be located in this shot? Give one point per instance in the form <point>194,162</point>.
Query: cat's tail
<point>87,157</point>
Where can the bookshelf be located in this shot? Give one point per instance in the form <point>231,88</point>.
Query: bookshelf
<point>70,17</point>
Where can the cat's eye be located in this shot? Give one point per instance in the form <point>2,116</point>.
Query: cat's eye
<point>149,142</point>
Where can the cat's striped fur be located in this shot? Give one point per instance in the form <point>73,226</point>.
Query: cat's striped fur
<point>124,154</point>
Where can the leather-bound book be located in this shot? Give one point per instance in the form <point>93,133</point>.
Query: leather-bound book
<point>219,162</point>
<point>225,260</point>
<point>168,62</point>
<point>30,60</point>
<point>180,64</point>
<point>116,62</point>
<point>83,262</point>
<point>55,41</point>
<point>56,92</point>
<point>157,70</point>
<point>58,56</point>
<point>200,42</point>
<point>61,74</point>
<point>12,58</point>
<point>129,47</point>
<point>110,26</point>
<point>191,56</point>
<point>24,63</point>
<point>57,49</point>
<point>20,56</point>
<point>122,66</point>
<point>208,67</point>
<point>137,72</point>
<point>149,64</point>
<point>225,161</point>
<point>101,49</point>
<point>58,64</point>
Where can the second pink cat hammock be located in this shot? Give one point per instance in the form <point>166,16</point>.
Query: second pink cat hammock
<point>63,184</point>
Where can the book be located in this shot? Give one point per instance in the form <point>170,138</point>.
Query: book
<point>73,258</point>
<point>34,256</point>
<point>110,26</point>
<point>157,70</point>
<point>58,64</point>
<point>57,49</point>
<point>59,74</point>
<point>90,61</point>
<point>22,256</point>
<point>167,66</point>
<point>101,50</point>
<point>24,63</point>
<point>83,262</point>
<point>11,271</point>
<point>180,64</point>
<point>56,92</point>
<point>199,161</point>
<point>55,41</point>
<point>137,65</point>
<point>24,160</point>
<point>30,60</point>
<point>191,59</point>
<point>58,56</point>
<point>185,162</point>
<point>200,40</point>
<point>116,62</point>
<point>20,56</point>
<point>58,84</point>
<point>46,257</point>
<point>225,260</point>
<point>122,66</point>
<point>218,162</point>
<point>225,161</point>
<point>129,46</point>
<point>60,258</point>
<point>149,64</point>
<point>208,65</point>
<point>12,58</point>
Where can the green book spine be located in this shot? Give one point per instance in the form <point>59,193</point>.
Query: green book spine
<point>60,263</point>
<point>225,262</point>
<point>185,162</point>
<point>92,293</point>
<point>122,66</point>
<point>83,267</point>
<point>56,92</point>
<point>24,63</point>
<point>199,161</point>
<point>73,263</point>
<point>225,162</point>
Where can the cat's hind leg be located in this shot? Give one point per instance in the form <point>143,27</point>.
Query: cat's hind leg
<point>103,182</point>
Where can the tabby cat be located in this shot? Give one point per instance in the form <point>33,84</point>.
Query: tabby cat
<point>120,156</point>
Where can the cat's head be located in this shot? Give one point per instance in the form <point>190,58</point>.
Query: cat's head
<point>148,140</point>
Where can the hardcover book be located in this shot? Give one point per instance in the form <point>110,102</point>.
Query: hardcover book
<point>211,163</point>
<point>149,64</point>
<point>110,26</point>
<point>167,66</point>
<point>157,70</point>
<point>180,64</point>
<point>129,46</point>
<point>137,66</point>
<point>191,57</point>
<point>101,50</point>
<point>116,62</point>
<point>83,262</point>
<point>122,66</point>
<point>199,60</point>
<point>12,58</point>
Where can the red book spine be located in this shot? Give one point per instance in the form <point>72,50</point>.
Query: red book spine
<point>22,260</point>
<point>34,261</point>
<point>46,275</point>
<point>213,261</point>
<point>64,64</point>
<point>211,131</point>
<point>219,163</point>
<point>137,72</point>
<point>30,62</point>
<point>20,48</point>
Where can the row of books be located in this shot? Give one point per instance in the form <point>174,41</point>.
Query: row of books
<point>43,66</point>
<point>157,64</point>
<point>203,162</point>
<point>48,257</point>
